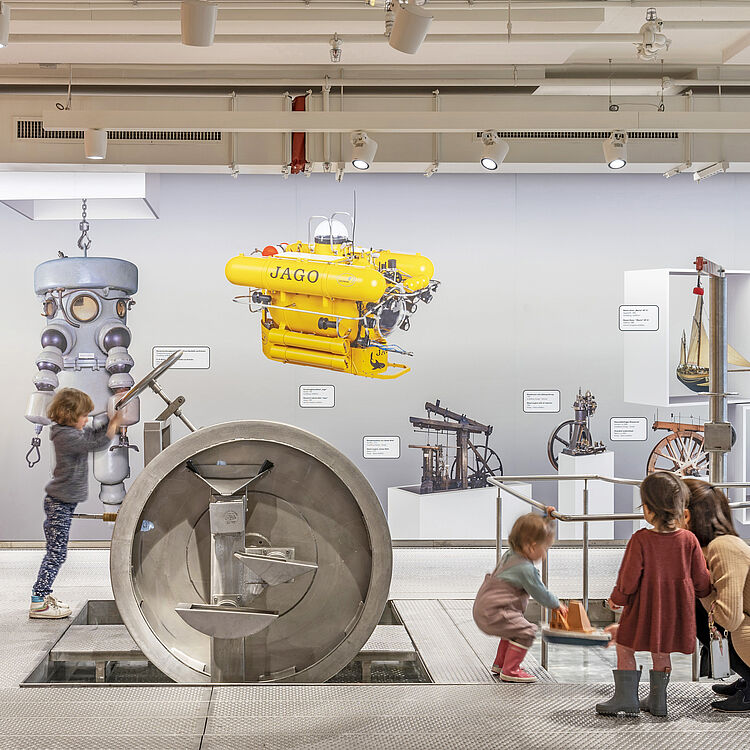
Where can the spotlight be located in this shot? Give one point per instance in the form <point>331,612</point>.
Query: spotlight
<point>495,150</point>
<point>95,143</point>
<point>718,168</point>
<point>198,19</point>
<point>4,24</point>
<point>679,169</point>
<point>409,26</point>
<point>363,150</point>
<point>616,149</point>
<point>653,41</point>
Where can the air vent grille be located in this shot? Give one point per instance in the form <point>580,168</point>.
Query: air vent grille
<point>572,135</point>
<point>34,130</point>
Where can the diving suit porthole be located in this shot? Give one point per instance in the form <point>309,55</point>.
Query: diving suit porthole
<point>84,308</point>
<point>329,304</point>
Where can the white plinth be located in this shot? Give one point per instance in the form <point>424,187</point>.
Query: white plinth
<point>601,495</point>
<point>452,514</point>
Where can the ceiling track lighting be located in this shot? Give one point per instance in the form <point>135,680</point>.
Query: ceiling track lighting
<point>719,168</point>
<point>4,24</point>
<point>494,150</point>
<point>95,143</point>
<point>616,149</point>
<point>198,22</point>
<point>678,169</point>
<point>410,25</point>
<point>653,42</point>
<point>363,150</point>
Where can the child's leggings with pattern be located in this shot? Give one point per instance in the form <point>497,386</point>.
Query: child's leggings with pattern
<point>56,532</point>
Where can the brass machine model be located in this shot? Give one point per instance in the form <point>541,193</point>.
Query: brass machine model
<point>574,435</point>
<point>472,465</point>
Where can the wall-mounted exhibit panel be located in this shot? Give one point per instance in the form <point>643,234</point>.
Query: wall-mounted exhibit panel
<point>666,353</point>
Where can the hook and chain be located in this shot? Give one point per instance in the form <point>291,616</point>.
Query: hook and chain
<point>84,241</point>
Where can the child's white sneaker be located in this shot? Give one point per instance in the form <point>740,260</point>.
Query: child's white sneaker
<point>48,608</point>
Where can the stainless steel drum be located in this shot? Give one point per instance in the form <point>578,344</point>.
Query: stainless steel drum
<point>305,620</point>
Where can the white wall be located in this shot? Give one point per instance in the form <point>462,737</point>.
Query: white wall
<point>532,271</point>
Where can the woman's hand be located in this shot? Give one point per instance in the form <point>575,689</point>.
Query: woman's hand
<point>612,630</point>
<point>614,607</point>
<point>562,609</point>
<point>550,510</point>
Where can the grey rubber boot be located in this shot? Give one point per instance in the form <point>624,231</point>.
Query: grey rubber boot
<point>656,702</point>
<point>625,699</point>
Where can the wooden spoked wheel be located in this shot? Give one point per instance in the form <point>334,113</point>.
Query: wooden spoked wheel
<point>681,453</point>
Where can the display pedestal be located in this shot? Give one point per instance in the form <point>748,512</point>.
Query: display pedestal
<point>451,514</point>
<point>601,494</point>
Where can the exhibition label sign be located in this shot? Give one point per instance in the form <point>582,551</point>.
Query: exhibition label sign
<point>381,446</point>
<point>193,357</point>
<point>317,396</point>
<point>541,402</point>
<point>639,317</point>
<point>628,428</point>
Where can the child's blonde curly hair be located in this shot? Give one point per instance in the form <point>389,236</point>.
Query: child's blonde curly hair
<point>68,405</point>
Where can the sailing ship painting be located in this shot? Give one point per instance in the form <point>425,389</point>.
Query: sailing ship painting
<point>693,370</point>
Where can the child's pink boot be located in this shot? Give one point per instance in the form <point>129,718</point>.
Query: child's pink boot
<point>497,667</point>
<point>511,671</point>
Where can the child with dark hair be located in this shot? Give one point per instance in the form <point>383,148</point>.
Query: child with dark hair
<point>662,572</point>
<point>503,597</point>
<point>73,441</point>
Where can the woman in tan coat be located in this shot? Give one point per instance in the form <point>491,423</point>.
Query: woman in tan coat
<point>709,517</point>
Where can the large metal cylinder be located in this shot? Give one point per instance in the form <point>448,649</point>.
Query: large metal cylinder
<point>314,501</point>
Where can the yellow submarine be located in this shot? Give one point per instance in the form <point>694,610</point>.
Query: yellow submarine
<point>330,304</point>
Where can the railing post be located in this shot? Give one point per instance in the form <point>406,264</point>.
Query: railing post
<point>586,545</point>
<point>499,528</point>
<point>544,619</point>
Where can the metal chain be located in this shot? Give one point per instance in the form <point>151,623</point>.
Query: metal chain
<point>84,241</point>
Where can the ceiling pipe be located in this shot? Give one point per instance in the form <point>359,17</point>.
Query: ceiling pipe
<point>359,5</point>
<point>279,39</point>
<point>399,122</point>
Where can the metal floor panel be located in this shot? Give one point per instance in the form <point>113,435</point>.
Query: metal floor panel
<point>102,709</point>
<point>96,641</point>
<point>392,639</point>
<point>498,716</point>
<point>91,694</point>
<point>107,742</point>
<point>485,646</point>
<point>446,654</point>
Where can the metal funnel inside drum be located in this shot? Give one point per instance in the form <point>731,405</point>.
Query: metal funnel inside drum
<point>228,479</point>
<point>314,506</point>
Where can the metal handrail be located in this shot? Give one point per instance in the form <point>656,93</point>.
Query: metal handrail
<point>585,518</point>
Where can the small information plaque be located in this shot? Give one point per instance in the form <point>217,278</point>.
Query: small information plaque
<point>381,446</point>
<point>541,402</point>
<point>628,428</point>
<point>639,317</point>
<point>193,357</point>
<point>317,396</point>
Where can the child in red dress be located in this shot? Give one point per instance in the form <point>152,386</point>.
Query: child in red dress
<point>662,572</point>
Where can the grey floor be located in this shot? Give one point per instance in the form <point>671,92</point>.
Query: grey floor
<point>482,715</point>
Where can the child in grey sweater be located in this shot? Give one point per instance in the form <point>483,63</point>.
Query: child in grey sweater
<point>73,442</point>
